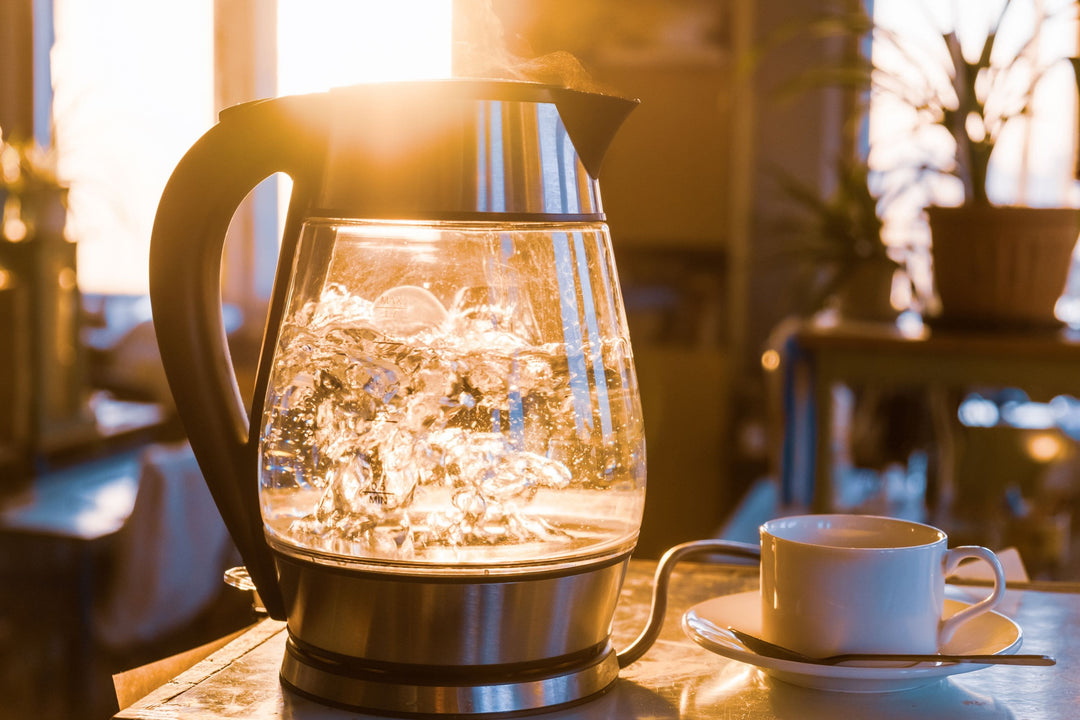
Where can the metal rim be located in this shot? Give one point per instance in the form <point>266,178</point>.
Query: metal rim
<point>443,573</point>
<point>490,694</point>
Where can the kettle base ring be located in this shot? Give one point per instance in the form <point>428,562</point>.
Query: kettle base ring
<point>492,693</point>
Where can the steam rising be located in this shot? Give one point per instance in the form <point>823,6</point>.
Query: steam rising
<point>480,52</point>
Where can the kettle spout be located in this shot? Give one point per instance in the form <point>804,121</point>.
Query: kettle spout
<point>591,121</point>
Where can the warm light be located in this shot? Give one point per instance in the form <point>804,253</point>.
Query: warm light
<point>9,162</point>
<point>66,279</point>
<point>770,360</point>
<point>14,229</point>
<point>975,127</point>
<point>329,43</point>
<point>1044,447</point>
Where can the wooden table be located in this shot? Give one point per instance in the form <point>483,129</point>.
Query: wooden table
<point>816,355</point>
<point>678,679</point>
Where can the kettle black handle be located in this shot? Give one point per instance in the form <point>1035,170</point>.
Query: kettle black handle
<point>250,143</point>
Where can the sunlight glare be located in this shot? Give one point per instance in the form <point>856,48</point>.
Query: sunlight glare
<point>132,90</point>
<point>329,43</point>
<point>1044,447</point>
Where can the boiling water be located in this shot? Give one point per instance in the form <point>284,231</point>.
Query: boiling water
<point>396,429</point>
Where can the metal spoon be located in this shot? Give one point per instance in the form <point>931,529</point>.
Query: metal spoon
<point>768,649</point>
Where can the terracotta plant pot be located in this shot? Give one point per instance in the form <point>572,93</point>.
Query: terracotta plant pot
<point>866,293</point>
<point>1001,267</point>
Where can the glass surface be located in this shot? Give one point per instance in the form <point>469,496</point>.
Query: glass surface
<point>457,394</point>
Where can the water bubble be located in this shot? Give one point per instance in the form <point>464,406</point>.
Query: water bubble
<point>422,429</point>
<point>407,310</point>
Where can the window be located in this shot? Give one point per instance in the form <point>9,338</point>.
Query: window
<point>132,89</point>
<point>134,86</point>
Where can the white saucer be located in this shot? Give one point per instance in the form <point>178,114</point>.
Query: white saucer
<point>706,624</point>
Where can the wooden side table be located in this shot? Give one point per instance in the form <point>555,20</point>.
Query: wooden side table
<point>816,355</point>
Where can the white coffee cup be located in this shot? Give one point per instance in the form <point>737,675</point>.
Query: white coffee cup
<point>835,584</point>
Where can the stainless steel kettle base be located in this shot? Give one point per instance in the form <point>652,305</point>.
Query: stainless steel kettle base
<point>490,691</point>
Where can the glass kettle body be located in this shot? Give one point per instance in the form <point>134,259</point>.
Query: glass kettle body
<point>457,394</point>
<point>442,474</point>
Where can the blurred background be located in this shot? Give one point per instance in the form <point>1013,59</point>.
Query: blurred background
<point>767,204</point>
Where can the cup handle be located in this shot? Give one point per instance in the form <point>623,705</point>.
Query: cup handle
<point>952,560</point>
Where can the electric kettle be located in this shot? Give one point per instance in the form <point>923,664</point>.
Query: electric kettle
<point>442,476</point>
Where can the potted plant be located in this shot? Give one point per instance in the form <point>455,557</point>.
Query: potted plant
<point>836,244</point>
<point>994,266</point>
